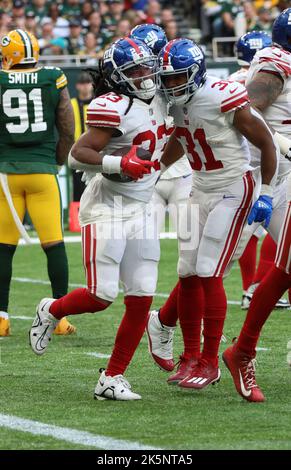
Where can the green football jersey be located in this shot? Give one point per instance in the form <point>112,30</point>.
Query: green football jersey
<point>28,104</point>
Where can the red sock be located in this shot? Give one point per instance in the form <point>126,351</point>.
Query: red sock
<point>214,316</point>
<point>267,257</point>
<point>129,333</point>
<point>264,300</point>
<point>247,262</point>
<point>77,301</point>
<point>169,311</point>
<point>191,308</point>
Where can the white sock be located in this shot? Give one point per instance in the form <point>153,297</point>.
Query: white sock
<point>4,315</point>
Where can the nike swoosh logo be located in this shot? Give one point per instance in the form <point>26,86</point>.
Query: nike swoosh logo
<point>102,105</point>
<point>277,55</point>
<point>232,91</point>
<point>228,197</point>
<point>101,384</point>
<point>245,392</point>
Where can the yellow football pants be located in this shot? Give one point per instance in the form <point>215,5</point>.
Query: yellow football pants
<point>39,194</point>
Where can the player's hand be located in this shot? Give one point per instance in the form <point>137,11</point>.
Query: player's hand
<point>133,166</point>
<point>261,210</point>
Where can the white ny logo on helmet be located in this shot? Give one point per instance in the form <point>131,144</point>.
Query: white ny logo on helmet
<point>151,39</point>
<point>196,52</point>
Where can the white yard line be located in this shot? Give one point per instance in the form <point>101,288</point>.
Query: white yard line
<point>77,238</point>
<point>69,435</point>
<point>47,283</point>
<point>98,355</point>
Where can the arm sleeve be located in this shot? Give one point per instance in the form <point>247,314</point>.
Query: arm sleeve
<point>103,112</point>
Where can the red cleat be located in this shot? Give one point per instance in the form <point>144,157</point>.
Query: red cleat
<point>242,369</point>
<point>184,368</point>
<point>202,375</point>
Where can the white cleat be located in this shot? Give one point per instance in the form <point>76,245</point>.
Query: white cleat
<point>247,297</point>
<point>42,327</point>
<point>160,339</point>
<point>114,388</point>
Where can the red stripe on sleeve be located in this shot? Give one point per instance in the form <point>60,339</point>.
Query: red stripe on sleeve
<point>235,104</point>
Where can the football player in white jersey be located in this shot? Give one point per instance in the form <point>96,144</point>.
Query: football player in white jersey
<point>118,243</point>
<point>269,86</point>
<point>246,47</point>
<point>162,323</point>
<point>174,185</point>
<point>212,121</point>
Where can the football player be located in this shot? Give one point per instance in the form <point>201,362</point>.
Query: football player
<point>33,100</point>
<point>174,185</point>
<point>212,121</point>
<point>118,243</point>
<point>246,48</point>
<point>269,87</point>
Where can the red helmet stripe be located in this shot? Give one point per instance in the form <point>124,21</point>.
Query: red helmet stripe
<point>167,51</point>
<point>133,44</point>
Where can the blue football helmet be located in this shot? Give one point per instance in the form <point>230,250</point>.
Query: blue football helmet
<point>130,67</point>
<point>281,31</point>
<point>153,35</point>
<point>249,44</point>
<point>181,57</point>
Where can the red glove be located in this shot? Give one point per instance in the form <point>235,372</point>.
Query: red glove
<point>133,166</point>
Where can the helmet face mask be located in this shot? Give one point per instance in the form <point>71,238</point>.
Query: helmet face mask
<point>137,73</point>
<point>181,93</point>
<point>182,70</point>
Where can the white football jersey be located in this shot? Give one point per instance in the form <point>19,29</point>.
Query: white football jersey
<point>140,124</point>
<point>217,151</point>
<point>276,60</point>
<point>182,167</point>
<point>239,76</point>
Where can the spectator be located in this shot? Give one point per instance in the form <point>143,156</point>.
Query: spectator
<point>123,28</point>
<point>86,10</point>
<point>103,8</point>
<point>61,25</point>
<point>134,17</point>
<point>90,49</point>
<point>40,9</point>
<point>140,5</point>
<point>224,25</point>
<point>6,6</point>
<point>264,20</point>
<point>75,39</point>
<point>17,10</point>
<point>171,30</point>
<point>153,12</point>
<point>250,16</point>
<point>103,36</point>
<point>94,23</point>
<point>30,23</point>
<point>166,15</point>
<point>71,9</point>
<point>47,35</point>
<point>110,20</point>
<point>5,21</point>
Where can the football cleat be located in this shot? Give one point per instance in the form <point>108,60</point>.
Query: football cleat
<point>4,324</point>
<point>114,388</point>
<point>184,368</point>
<point>42,327</point>
<point>202,375</point>
<point>247,297</point>
<point>242,369</point>
<point>160,340</point>
<point>64,328</point>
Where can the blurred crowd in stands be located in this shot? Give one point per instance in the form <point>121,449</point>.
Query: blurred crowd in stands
<point>226,18</point>
<point>83,28</point>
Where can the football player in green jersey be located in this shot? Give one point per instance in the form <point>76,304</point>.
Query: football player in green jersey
<point>33,101</point>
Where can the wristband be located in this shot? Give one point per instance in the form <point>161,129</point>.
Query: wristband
<point>267,190</point>
<point>111,164</point>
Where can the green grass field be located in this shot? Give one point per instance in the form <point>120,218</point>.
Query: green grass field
<point>57,389</point>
